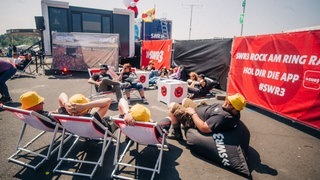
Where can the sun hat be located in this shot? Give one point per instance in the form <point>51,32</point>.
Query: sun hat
<point>30,99</point>
<point>237,101</point>
<point>140,113</point>
<point>79,99</point>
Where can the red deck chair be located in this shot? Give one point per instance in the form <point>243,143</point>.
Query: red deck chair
<point>38,122</point>
<point>143,133</point>
<point>88,128</point>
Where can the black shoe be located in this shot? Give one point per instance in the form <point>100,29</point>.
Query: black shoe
<point>5,100</point>
<point>175,136</point>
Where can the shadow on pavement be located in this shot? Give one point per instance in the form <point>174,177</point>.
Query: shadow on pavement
<point>254,163</point>
<point>295,124</point>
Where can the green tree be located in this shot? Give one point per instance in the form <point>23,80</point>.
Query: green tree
<point>7,39</point>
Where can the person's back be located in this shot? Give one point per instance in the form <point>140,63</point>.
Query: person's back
<point>7,70</point>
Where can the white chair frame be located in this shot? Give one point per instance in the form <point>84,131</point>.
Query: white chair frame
<point>81,126</point>
<point>143,133</point>
<point>35,120</point>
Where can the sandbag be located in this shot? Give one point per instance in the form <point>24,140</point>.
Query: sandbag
<point>227,148</point>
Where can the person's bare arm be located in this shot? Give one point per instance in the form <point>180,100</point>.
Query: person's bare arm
<point>124,110</point>
<point>102,105</point>
<point>121,74</point>
<point>201,125</point>
<point>91,81</point>
<point>63,102</point>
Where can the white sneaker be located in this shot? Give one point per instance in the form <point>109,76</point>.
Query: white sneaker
<point>144,101</point>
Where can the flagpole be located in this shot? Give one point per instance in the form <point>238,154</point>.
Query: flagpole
<point>243,11</point>
<point>191,14</point>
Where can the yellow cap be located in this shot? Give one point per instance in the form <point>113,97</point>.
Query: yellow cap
<point>237,101</point>
<point>30,99</point>
<point>79,99</point>
<point>140,113</point>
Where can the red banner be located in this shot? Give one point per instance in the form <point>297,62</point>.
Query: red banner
<point>157,51</point>
<point>279,72</point>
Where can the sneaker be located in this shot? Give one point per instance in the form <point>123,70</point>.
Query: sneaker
<point>144,101</point>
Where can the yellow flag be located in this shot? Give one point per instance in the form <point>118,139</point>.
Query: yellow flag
<point>149,15</point>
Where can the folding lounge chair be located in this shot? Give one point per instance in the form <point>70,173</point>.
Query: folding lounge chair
<point>25,70</point>
<point>143,133</point>
<point>82,127</point>
<point>39,122</point>
<point>97,94</point>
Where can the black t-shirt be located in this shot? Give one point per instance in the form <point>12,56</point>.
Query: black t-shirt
<point>216,118</point>
<point>99,77</point>
<point>46,114</point>
<point>204,89</point>
<point>129,78</point>
<point>125,76</point>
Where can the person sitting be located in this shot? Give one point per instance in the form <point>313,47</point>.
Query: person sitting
<point>16,59</point>
<point>200,89</point>
<point>163,74</point>
<point>79,105</point>
<point>21,64</point>
<point>130,80</point>
<point>32,101</point>
<point>206,118</point>
<point>179,73</point>
<point>140,113</point>
<point>152,69</point>
<point>104,82</point>
<point>170,71</point>
<point>193,79</point>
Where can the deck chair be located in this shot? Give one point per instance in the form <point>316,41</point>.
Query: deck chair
<point>39,122</point>
<point>26,70</point>
<point>82,127</point>
<point>143,133</point>
<point>94,94</point>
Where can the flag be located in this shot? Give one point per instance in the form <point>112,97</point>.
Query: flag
<point>149,15</point>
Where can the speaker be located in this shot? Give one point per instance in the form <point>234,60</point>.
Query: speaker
<point>39,22</point>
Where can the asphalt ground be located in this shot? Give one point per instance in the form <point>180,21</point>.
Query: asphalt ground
<point>279,148</point>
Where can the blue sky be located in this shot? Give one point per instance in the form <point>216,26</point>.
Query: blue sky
<point>211,18</point>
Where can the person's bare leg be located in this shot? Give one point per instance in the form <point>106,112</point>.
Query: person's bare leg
<point>123,106</point>
<point>127,94</point>
<point>141,92</point>
<point>175,124</point>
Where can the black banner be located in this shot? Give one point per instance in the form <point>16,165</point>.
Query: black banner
<point>210,57</point>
